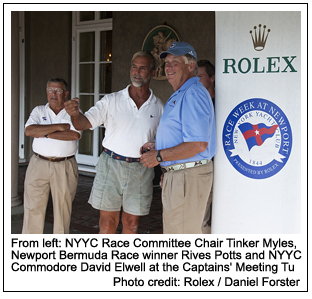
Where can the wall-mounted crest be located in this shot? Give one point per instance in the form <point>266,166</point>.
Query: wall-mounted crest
<point>158,40</point>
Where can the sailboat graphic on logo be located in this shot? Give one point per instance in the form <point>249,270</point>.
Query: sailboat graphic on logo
<point>255,135</point>
<point>257,138</point>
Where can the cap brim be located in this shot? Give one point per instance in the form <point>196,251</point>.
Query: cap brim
<point>163,54</point>
<point>176,52</point>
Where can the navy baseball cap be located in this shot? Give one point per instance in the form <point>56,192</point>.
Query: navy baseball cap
<point>179,49</point>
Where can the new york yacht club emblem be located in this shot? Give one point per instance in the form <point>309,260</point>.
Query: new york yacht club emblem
<point>257,138</point>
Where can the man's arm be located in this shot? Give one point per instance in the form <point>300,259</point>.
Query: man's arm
<point>42,130</point>
<point>64,135</point>
<point>181,151</point>
<point>79,121</point>
<point>54,131</point>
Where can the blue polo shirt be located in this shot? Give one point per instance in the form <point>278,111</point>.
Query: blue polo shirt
<point>188,117</point>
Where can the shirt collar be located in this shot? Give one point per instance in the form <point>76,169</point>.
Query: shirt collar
<point>47,106</point>
<point>126,94</point>
<point>188,83</point>
<point>185,86</point>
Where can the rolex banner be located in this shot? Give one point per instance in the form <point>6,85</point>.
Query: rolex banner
<point>257,171</point>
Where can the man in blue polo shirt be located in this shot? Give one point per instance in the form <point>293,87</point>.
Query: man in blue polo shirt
<point>185,144</point>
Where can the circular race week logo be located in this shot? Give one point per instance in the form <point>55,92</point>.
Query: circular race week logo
<point>257,138</point>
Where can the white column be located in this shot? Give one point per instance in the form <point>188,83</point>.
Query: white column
<point>15,200</point>
<point>257,183</point>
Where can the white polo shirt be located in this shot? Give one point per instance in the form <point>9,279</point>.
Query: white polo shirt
<point>44,115</point>
<point>127,128</point>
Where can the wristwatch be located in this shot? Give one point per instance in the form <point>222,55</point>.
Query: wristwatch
<point>159,158</point>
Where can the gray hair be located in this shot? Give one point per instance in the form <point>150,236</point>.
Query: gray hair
<point>189,59</point>
<point>58,80</point>
<point>148,55</point>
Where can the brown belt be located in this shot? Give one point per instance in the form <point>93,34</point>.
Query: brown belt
<point>54,159</point>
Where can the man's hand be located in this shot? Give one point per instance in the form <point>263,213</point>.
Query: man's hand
<point>147,147</point>
<point>63,127</point>
<point>149,160</point>
<point>149,154</point>
<point>72,107</point>
<point>79,121</point>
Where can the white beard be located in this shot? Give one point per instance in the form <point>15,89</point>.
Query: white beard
<point>140,83</point>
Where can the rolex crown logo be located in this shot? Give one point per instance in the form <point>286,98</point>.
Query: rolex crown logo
<point>259,39</point>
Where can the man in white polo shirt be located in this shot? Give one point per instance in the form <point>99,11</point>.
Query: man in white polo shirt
<point>53,165</point>
<point>130,117</point>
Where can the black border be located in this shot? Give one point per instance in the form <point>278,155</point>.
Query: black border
<point>194,291</point>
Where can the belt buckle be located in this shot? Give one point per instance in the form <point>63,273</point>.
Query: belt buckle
<point>52,159</point>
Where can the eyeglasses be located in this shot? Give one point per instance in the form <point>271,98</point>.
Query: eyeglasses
<point>56,89</point>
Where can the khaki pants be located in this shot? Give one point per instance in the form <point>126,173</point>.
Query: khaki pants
<point>41,177</point>
<point>206,227</point>
<point>185,196</point>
